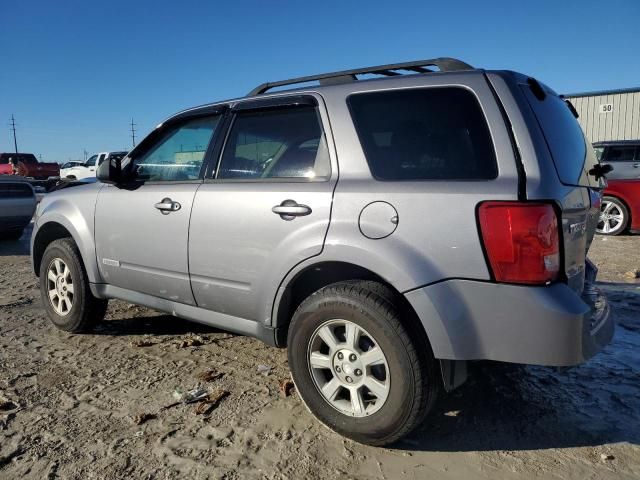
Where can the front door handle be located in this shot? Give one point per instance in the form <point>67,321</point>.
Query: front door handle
<point>290,209</point>
<point>636,165</point>
<point>166,206</point>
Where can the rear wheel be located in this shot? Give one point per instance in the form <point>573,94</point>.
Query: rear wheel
<point>64,288</point>
<point>358,369</point>
<point>614,217</point>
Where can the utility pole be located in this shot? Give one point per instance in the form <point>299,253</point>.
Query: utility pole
<point>133,134</point>
<point>13,127</point>
<point>85,154</point>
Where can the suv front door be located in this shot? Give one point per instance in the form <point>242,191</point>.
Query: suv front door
<point>142,227</point>
<point>621,158</point>
<point>265,208</point>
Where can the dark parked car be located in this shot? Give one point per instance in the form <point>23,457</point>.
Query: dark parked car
<point>17,204</point>
<point>620,208</point>
<point>623,156</point>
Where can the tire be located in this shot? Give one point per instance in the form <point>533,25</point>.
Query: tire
<point>410,372</point>
<point>76,309</point>
<point>614,217</point>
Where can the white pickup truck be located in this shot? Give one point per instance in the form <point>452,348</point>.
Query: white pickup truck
<point>88,169</point>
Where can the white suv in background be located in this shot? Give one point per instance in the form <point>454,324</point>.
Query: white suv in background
<point>88,169</point>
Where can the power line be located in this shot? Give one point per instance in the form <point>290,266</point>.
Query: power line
<point>13,127</point>
<point>133,134</point>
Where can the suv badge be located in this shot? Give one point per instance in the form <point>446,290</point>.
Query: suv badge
<point>578,228</point>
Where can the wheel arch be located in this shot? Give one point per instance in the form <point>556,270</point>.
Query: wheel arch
<point>46,234</point>
<point>318,275</point>
<point>56,228</point>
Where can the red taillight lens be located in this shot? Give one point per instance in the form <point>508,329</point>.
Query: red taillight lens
<point>521,241</point>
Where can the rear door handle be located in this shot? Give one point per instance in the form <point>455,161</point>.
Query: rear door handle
<point>166,206</point>
<point>290,209</point>
<point>636,165</point>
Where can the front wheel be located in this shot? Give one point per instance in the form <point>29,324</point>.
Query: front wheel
<point>64,288</point>
<point>357,367</point>
<point>614,217</point>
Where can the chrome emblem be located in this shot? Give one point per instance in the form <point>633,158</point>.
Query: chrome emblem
<point>578,228</point>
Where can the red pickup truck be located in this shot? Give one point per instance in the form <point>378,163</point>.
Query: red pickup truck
<point>29,167</point>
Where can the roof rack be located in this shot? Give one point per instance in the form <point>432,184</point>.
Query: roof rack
<point>444,64</point>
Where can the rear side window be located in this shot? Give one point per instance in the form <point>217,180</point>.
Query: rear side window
<point>424,134</point>
<point>572,156</point>
<point>281,143</point>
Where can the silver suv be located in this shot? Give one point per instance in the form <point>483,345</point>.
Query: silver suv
<point>385,230</point>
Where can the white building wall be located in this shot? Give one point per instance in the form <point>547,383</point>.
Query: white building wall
<point>609,116</point>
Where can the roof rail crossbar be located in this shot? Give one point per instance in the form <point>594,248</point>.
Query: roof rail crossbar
<point>444,64</point>
<point>387,73</point>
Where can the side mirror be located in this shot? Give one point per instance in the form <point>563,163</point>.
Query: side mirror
<point>110,171</point>
<point>600,170</point>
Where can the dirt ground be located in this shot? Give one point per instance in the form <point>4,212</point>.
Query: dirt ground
<point>69,402</point>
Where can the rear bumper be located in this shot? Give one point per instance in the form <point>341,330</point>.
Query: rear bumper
<point>473,320</point>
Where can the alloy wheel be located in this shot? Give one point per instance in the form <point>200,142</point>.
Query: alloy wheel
<point>611,218</point>
<point>349,368</point>
<point>60,286</point>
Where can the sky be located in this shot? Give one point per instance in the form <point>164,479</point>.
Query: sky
<point>76,72</point>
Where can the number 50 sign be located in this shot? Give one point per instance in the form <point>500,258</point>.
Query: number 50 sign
<point>605,108</point>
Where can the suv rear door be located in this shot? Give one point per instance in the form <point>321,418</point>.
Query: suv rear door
<point>265,206</point>
<point>625,160</point>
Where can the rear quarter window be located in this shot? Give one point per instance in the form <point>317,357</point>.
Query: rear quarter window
<point>437,133</point>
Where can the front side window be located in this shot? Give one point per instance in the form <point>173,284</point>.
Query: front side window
<point>179,153</point>
<point>620,154</point>
<point>92,161</point>
<point>424,134</point>
<point>280,143</point>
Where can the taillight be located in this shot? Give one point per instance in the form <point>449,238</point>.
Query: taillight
<point>521,241</point>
